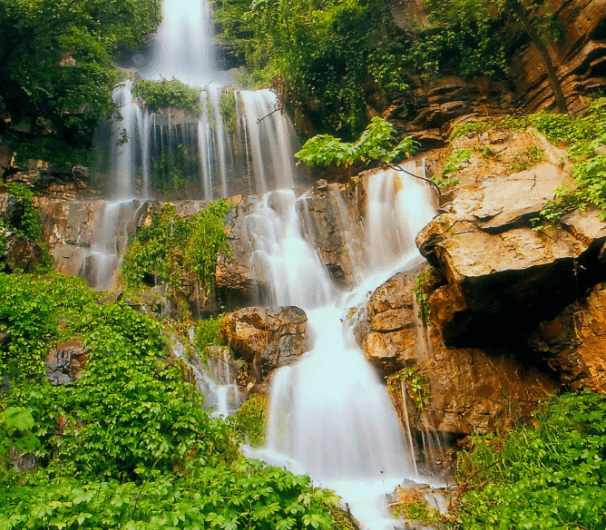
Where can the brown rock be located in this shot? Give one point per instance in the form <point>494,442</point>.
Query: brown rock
<point>502,274</point>
<point>65,363</point>
<point>468,389</point>
<point>266,338</point>
<point>574,342</point>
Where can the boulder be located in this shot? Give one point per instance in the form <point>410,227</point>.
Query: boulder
<point>266,338</point>
<point>502,273</point>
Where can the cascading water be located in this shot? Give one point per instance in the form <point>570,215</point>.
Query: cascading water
<point>330,415</point>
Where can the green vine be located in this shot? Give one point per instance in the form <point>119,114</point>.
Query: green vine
<point>416,382</point>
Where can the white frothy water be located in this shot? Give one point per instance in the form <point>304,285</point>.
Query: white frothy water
<point>330,415</point>
<point>114,221</point>
<point>182,47</point>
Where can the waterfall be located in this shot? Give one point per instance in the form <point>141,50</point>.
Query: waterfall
<point>330,415</point>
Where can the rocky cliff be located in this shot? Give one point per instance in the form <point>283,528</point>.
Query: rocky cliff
<point>429,106</point>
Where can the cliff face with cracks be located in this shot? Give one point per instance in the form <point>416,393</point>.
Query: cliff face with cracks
<point>429,106</point>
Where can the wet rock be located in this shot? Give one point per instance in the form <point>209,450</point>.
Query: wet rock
<point>65,363</point>
<point>266,338</point>
<point>574,342</point>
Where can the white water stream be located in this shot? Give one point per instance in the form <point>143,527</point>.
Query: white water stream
<point>330,415</point>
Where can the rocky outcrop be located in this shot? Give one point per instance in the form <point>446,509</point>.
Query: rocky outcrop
<point>502,274</point>
<point>65,362</point>
<point>428,107</point>
<point>579,57</point>
<point>462,390</point>
<point>266,338</point>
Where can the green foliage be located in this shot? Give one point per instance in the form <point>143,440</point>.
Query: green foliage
<point>24,221</point>
<point>177,248</point>
<point>251,419</point>
<point>471,127</point>
<point>527,159</point>
<point>420,292</point>
<point>56,63</point>
<point>168,93</point>
<point>318,54</point>
<point>16,425</point>
<point>417,509</point>
<point>463,38</point>
<point>378,142</point>
<point>416,382</point>
<point>551,474</point>
<point>128,443</point>
<point>208,333</point>
<point>28,224</point>
<point>451,167</point>
<point>582,137</point>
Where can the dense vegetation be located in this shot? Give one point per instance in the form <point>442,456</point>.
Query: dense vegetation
<point>57,68</point>
<point>331,58</point>
<point>548,475</point>
<point>180,251</point>
<point>22,222</point>
<point>127,444</point>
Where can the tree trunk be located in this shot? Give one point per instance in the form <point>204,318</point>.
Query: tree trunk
<point>541,47</point>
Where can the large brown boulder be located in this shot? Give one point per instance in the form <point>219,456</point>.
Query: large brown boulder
<point>502,273</point>
<point>266,338</point>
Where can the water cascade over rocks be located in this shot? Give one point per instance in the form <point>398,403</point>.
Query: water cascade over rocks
<point>330,415</point>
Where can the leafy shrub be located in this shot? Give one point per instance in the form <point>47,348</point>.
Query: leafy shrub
<point>128,444</point>
<point>377,143</point>
<point>178,248</point>
<point>208,333</point>
<point>551,474</point>
<point>168,93</point>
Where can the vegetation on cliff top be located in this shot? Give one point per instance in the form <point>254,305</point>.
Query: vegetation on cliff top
<point>332,58</point>
<point>128,443</point>
<point>57,67</point>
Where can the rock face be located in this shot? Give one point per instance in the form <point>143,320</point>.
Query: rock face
<point>502,274</point>
<point>427,109</point>
<point>266,338</point>
<point>574,342</point>
<point>579,58</point>
<point>65,362</point>
<point>462,389</point>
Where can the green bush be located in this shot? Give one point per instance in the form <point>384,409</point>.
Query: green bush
<point>548,475</point>
<point>165,94</point>
<point>178,248</point>
<point>128,443</point>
